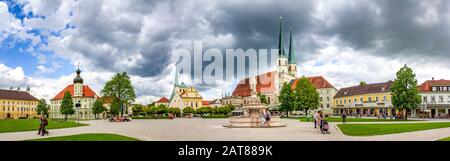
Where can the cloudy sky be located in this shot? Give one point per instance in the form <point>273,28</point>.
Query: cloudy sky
<point>42,41</point>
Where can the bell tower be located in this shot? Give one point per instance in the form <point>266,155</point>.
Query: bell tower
<point>291,58</point>
<point>78,84</point>
<point>282,61</point>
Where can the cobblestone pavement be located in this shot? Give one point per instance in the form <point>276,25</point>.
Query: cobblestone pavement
<point>211,129</point>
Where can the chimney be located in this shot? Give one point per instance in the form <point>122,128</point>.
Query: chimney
<point>10,88</point>
<point>432,78</point>
<point>18,88</point>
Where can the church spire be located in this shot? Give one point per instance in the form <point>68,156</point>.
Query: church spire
<point>281,52</point>
<point>291,57</point>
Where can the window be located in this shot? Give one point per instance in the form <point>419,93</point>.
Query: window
<point>384,98</point>
<point>345,101</point>
<point>354,100</point>
<point>328,105</point>
<point>441,98</point>
<point>370,99</point>
<point>376,99</point>
<point>349,101</point>
<point>340,102</point>
<point>320,98</point>
<point>433,99</point>
<point>433,89</point>
<point>448,99</point>
<point>360,99</point>
<point>328,98</point>
<point>425,99</point>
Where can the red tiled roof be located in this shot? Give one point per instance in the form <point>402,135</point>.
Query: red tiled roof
<point>163,100</point>
<point>318,82</point>
<point>265,83</point>
<point>364,89</point>
<point>426,86</point>
<point>16,95</point>
<point>87,92</point>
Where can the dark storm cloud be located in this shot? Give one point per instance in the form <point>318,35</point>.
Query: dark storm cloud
<point>144,33</point>
<point>256,25</point>
<point>394,28</point>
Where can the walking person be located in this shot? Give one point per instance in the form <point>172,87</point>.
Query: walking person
<point>320,121</point>
<point>44,124</point>
<point>344,117</point>
<point>267,121</point>
<point>315,119</point>
<point>262,117</point>
<point>41,124</point>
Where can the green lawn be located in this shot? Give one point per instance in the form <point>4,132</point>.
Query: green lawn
<point>32,124</point>
<point>445,139</point>
<point>89,137</point>
<point>382,129</point>
<point>338,119</point>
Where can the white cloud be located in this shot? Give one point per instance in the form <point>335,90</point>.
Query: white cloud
<point>9,25</point>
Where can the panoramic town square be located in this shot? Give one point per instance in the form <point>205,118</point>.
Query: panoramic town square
<point>80,70</point>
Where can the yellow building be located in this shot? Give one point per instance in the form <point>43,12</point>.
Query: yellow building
<point>17,104</point>
<point>184,96</point>
<point>365,100</point>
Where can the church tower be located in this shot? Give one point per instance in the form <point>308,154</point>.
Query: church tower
<point>78,84</point>
<point>282,61</point>
<point>291,58</point>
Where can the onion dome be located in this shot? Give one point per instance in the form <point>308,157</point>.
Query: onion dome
<point>78,79</point>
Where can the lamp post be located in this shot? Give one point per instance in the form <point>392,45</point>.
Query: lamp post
<point>78,105</point>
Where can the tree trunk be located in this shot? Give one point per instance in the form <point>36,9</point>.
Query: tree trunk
<point>287,114</point>
<point>65,117</point>
<point>306,112</point>
<point>405,114</point>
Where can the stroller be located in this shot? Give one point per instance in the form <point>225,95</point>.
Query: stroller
<point>325,127</point>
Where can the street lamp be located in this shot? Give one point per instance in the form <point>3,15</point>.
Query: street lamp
<point>78,105</point>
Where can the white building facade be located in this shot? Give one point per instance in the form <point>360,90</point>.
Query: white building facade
<point>82,95</point>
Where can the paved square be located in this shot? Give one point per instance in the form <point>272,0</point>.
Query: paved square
<point>195,129</point>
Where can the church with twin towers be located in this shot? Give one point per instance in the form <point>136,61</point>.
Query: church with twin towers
<point>270,83</point>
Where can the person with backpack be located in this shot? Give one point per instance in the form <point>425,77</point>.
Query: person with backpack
<point>41,124</point>
<point>45,123</point>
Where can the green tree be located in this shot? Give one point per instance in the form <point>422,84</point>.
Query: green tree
<point>138,110</point>
<point>175,111</point>
<point>98,108</point>
<point>162,110</point>
<point>262,98</point>
<point>67,105</point>
<point>286,99</point>
<point>42,107</point>
<point>120,87</point>
<point>362,83</point>
<point>188,110</point>
<point>114,108</point>
<point>152,110</point>
<point>230,106</point>
<point>405,94</point>
<point>306,97</point>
